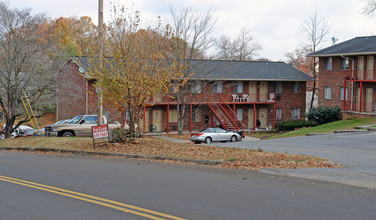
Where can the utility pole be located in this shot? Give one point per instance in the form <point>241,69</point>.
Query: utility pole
<point>100,57</point>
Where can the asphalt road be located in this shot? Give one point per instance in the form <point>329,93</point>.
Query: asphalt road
<point>185,191</point>
<point>356,152</point>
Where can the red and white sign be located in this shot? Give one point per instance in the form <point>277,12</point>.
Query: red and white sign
<point>100,131</point>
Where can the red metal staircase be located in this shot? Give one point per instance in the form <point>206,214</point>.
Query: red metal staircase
<point>225,116</point>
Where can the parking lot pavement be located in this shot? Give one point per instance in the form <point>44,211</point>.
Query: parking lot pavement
<point>355,152</point>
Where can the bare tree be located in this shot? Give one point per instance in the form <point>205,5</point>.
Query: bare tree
<point>370,8</point>
<point>315,29</point>
<point>192,31</point>
<point>23,39</point>
<point>243,47</point>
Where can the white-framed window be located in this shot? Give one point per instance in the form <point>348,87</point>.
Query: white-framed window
<point>277,87</point>
<point>278,114</point>
<point>238,87</point>
<point>295,113</point>
<point>196,87</point>
<point>173,115</point>
<point>341,93</point>
<point>217,87</point>
<point>328,63</point>
<point>196,116</point>
<point>327,92</point>
<point>296,87</point>
<point>239,114</point>
<point>344,63</point>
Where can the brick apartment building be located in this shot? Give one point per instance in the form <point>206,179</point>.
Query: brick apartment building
<point>347,77</point>
<point>236,94</point>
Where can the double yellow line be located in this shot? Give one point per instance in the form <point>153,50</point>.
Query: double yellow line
<point>92,199</point>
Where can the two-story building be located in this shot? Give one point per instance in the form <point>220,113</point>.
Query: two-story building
<point>233,94</point>
<point>347,77</point>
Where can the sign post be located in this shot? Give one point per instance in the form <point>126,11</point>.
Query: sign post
<point>100,133</point>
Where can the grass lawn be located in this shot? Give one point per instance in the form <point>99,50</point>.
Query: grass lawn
<point>327,128</point>
<point>150,146</point>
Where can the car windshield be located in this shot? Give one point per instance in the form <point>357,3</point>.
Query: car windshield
<point>219,130</point>
<point>59,122</point>
<point>66,121</point>
<point>76,119</point>
<point>208,130</point>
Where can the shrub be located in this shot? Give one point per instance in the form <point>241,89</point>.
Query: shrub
<point>121,135</point>
<point>322,115</point>
<point>291,125</point>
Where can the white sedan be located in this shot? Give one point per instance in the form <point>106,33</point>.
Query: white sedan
<point>209,135</point>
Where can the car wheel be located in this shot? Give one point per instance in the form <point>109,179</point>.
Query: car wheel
<point>208,140</point>
<point>2,136</point>
<point>233,138</point>
<point>67,134</point>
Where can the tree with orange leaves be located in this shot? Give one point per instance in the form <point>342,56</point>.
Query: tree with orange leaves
<point>139,66</point>
<point>75,36</point>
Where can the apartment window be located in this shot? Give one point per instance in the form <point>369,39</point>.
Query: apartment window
<point>295,113</point>
<point>238,87</point>
<point>296,87</point>
<point>196,116</point>
<point>341,93</point>
<point>328,63</point>
<point>239,114</point>
<point>217,87</point>
<point>327,92</point>
<point>344,63</point>
<point>196,87</point>
<point>277,87</point>
<point>173,115</point>
<point>278,114</point>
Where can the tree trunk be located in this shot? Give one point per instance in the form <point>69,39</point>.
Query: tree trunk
<point>313,95</point>
<point>9,126</point>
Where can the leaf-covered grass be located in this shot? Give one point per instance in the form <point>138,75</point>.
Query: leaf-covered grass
<point>149,146</point>
<point>328,128</point>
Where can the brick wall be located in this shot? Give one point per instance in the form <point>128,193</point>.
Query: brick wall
<point>71,94</point>
<point>287,101</point>
<point>72,101</point>
<point>335,80</point>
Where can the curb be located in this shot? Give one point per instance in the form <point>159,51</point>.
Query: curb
<point>202,162</point>
<point>349,131</point>
<point>314,134</point>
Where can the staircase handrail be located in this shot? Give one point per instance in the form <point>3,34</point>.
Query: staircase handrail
<point>243,126</point>
<point>220,121</point>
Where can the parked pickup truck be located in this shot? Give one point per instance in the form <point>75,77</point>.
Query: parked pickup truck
<point>80,126</point>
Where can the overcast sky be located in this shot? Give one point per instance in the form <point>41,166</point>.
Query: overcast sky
<point>275,24</point>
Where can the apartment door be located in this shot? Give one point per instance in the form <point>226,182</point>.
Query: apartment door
<point>360,67</point>
<point>252,91</point>
<point>357,101</point>
<point>147,124</point>
<point>369,94</point>
<point>157,120</point>
<point>250,118</point>
<point>263,91</point>
<point>369,75</point>
<point>263,117</point>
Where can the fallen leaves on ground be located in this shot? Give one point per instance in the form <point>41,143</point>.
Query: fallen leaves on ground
<point>233,158</point>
